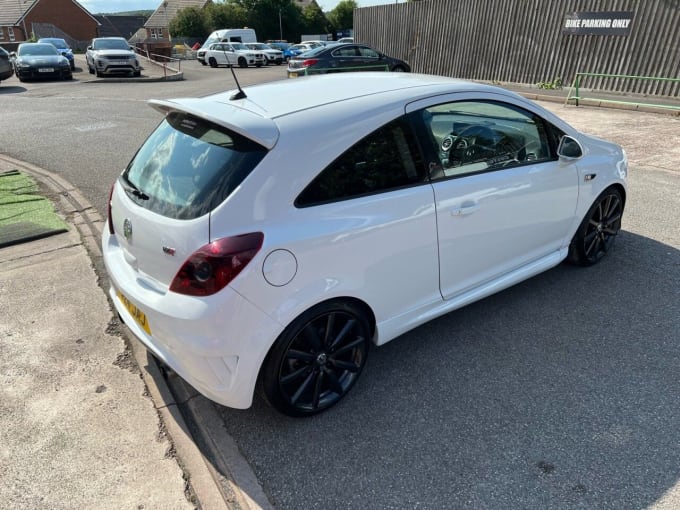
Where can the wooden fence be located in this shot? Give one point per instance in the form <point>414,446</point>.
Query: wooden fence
<point>522,41</point>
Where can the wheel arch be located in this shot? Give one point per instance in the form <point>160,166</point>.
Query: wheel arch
<point>621,189</point>
<point>359,303</point>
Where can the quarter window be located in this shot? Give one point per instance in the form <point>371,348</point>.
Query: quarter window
<point>385,160</point>
<point>468,137</point>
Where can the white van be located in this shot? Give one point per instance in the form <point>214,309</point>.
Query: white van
<point>242,35</point>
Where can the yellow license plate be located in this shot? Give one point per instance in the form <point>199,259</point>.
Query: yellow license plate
<point>292,75</point>
<point>136,313</point>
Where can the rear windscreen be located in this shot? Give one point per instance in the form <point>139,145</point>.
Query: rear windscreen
<point>188,166</point>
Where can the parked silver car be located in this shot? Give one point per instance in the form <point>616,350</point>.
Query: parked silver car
<point>111,55</point>
<point>273,55</point>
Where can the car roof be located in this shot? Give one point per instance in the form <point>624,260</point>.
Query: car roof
<point>255,116</point>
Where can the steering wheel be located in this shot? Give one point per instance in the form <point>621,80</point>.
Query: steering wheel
<point>470,144</point>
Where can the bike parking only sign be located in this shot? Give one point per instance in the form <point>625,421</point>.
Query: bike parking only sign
<point>598,23</point>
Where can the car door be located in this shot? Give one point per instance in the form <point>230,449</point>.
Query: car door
<point>370,59</point>
<point>504,200</point>
<point>346,57</point>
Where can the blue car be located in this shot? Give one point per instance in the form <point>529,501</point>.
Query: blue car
<point>286,48</point>
<point>62,47</point>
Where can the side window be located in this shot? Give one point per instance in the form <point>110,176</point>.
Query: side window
<point>385,160</point>
<point>469,137</point>
<point>368,52</point>
<point>350,51</point>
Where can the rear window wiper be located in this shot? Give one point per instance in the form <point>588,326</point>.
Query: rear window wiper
<point>131,188</point>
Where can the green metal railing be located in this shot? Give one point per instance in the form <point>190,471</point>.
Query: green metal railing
<point>576,84</point>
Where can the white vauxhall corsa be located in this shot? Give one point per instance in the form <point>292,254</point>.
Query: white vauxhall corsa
<point>235,257</point>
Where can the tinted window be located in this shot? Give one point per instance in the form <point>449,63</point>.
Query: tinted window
<point>348,51</point>
<point>475,136</point>
<point>385,160</point>
<point>368,52</point>
<point>188,166</point>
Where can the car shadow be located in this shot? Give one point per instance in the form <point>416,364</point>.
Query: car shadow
<point>562,388</point>
<point>11,89</point>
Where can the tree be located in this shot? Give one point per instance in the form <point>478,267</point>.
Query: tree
<point>315,21</point>
<point>189,22</point>
<point>225,15</point>
<point>342,17</point>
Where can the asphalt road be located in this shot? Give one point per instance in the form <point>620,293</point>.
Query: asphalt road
<point>561,392</point>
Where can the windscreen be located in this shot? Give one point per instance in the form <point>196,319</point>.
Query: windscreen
<point>188,166</point>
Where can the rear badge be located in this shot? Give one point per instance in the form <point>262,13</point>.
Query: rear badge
<point>168,250</point>
<point>127,229</point>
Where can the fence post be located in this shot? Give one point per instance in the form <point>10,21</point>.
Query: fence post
<point>577,84</point>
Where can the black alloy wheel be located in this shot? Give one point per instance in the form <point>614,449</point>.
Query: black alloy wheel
<point>212,62</point>
<point>317,359</point>
<point>596,234</point>
<point>242,62</point>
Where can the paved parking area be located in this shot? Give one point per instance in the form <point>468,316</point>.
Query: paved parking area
<point>560,392</point>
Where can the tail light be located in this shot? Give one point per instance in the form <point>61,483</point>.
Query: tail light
<point>309,62</point>
<point>109,217</point>
<point>213,266</point>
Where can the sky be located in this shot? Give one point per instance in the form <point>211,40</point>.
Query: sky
<point>103,6</point>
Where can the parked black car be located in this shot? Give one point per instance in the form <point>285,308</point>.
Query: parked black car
<point>343,57</point>
<point>6,69</point>
<point>41,60</point>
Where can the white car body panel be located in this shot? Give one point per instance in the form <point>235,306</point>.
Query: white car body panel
<point>410,254</point>
<point>493,223</point>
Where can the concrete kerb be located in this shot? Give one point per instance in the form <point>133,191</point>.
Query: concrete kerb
<point>206,482</point>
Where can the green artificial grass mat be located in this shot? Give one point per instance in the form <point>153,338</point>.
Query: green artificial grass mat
<point>25,215</point>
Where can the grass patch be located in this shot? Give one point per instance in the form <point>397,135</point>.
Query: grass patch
<point>25,214</point>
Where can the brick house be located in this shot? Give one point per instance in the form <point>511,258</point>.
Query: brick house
<point>157,24</point>
<point>19,19</point>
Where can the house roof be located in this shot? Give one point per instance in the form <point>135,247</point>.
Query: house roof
<point>13,11</point>
<point>168,9</point>
<point>119,26</point>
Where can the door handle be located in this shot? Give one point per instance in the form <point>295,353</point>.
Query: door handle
<point>465,209</point>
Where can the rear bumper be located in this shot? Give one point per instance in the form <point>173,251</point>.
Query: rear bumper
<point>217,344</point>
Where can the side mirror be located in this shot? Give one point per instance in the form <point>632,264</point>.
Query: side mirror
<point>89,47</point>
<point>569,148</point>
<point>13,54</point>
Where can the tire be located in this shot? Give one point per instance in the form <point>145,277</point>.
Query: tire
<point>242,62</point>
<point>398,69</point>
<point>596,233</point>
<point>203,62</point>
<point>90,69</point>
<point>317,359</point>
<point>259,64</point>
<point>97,73</point>
<point>137,74</point>
<point>212,62</point>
